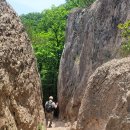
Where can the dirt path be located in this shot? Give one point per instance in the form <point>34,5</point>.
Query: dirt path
<point>59,125</point>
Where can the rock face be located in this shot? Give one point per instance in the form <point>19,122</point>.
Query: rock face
<point>106,103</point>
<point>20,95</point>
<point>92,39</point>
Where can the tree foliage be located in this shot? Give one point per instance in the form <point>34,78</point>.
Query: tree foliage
<point>79,3</point>
<point>125,49</point>
<point>47,33</point>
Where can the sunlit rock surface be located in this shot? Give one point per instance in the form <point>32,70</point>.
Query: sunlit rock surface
<point>106,103</point>
<point>20,94</point>
<point>92,38</point>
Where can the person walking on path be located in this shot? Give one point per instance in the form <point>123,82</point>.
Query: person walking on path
<point>49,110</point>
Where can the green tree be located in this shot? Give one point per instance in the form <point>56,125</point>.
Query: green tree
<point>47,33</point>
<point>30,22</point>
<point>79,3</point>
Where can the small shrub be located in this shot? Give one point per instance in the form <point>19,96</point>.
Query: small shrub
<point>125,28</point>
<point>40,127</point>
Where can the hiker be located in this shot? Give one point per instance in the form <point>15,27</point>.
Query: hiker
<point>49,110</point>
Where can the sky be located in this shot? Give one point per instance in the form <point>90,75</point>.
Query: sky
<point>27,6</point>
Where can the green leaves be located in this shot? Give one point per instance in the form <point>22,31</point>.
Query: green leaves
<point>47,33</point>
<point>79,3</point>
<point>125,28</point>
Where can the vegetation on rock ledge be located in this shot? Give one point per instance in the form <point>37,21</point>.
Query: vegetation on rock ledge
<point>125,50</point>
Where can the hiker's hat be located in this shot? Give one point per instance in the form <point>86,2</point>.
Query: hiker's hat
<point>51,98</point>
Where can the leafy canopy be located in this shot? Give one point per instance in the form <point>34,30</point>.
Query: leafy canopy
<point>47,33</point>
<point>79,3</point>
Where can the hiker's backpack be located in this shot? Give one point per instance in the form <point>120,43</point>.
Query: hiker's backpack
<point>49,106</point>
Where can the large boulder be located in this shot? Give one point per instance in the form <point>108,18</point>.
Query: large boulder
<point>92,39</point>
<point>106,103</point>
<point>20,94</point>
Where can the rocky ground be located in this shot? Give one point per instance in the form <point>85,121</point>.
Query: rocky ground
<point>59,125</point>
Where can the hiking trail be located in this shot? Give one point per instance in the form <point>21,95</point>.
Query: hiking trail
<point>59,125</point>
